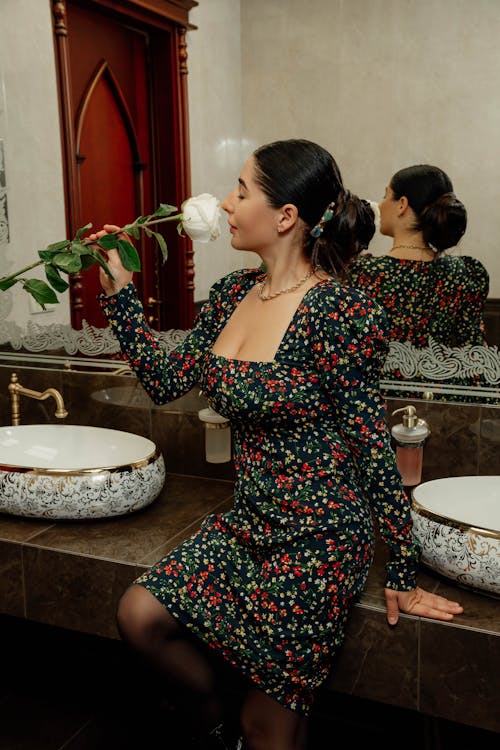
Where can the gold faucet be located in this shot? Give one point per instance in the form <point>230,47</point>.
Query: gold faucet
<point>122,370</point>
<point>125,370</point>
<point>16,390</point>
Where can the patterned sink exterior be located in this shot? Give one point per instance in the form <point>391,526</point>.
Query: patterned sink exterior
<point>76,472</point>
<point>457,523</point>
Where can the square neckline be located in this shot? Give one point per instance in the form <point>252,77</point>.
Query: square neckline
<point>284,337</point>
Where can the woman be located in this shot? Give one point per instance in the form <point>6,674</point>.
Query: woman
<point>424,292</point>
<point>292,358</point>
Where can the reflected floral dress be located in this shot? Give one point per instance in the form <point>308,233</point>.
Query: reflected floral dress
<point>443,298</point>
<point>268,584</point>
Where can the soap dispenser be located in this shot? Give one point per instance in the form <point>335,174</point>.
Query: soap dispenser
<point>217,436</point>
<point>410,435</point>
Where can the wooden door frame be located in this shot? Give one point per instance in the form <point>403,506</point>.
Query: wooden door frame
<point>171,16</point>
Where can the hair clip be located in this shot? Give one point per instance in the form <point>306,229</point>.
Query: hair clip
<point>317,230</point>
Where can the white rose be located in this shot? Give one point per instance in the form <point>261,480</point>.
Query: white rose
<point>201,217</point>
<point>376,213</point>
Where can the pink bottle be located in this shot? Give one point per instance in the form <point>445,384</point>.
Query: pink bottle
<point>410,435</point>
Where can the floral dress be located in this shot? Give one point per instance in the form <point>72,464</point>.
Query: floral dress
<point>269,583</point>
<point>443,298</point>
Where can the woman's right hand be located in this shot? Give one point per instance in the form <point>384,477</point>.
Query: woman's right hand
<point>420,602</point>
<point>121,277</point>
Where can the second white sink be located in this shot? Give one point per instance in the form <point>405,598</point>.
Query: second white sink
<point>76,471</point>
<point>457,522</point>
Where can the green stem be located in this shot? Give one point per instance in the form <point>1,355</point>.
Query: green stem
<point>86,241</point>
<point>160,221</point>
<point>23,270</point>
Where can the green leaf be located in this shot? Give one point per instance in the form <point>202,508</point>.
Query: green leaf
<point>86,253</point>
<point>57,246</point>
<point>47,255</point>
<point>54,278</point>
<point>133,230</point>
<point>87,261</point>
<point>7,284</point>
<point>108,241</point>
<point>80,248</point>
<point>164,210</point>
<point>163,245</point>
<point>68,262</point>
<point>129,256</point>
<point>179,229</point>
<point>143,219</point>
<point>52,250</point>
<point>82,230</point>
<point>41,292</point>
<point>99,259</point>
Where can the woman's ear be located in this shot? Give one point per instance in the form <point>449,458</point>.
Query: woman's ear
<point>402,205</point>
<point>287,217</point>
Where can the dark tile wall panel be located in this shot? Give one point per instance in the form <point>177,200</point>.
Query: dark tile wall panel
<point>489,441</point>
<point>84,407</point>
<point>182,440</point>
<point>72,591</point>
<point>361,667</point>
<point>460,676</point>
<point>11,580</point>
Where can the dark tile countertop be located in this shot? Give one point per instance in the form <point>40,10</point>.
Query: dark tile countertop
<point>72,574</point>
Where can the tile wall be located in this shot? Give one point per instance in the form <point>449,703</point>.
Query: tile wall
<point>464,439</point>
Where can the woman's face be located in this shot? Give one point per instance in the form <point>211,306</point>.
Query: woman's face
<point>388,212</point>
<point>253,222</point>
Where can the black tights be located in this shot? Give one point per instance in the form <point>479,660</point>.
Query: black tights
<point>197,678</point>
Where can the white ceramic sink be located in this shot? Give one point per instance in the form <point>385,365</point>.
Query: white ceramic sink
<point>76,471</point>
<point>457,522</point>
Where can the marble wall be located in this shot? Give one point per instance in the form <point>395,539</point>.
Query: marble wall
<point>384,84</point>
<point>29,128</point>
<point>218,148</point>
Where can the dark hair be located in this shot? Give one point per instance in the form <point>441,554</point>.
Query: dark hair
<point>440,216</point>
<point>303,173</point>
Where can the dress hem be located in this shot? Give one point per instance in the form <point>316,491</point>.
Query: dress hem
<point>178,614</point>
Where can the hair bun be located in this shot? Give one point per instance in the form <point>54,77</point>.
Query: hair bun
<point>346,235</point>
<point>444,221</point>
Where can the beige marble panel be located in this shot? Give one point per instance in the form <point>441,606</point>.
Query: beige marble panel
<point>383,84</point>
<point>217,149</point>
<point>29,125</point>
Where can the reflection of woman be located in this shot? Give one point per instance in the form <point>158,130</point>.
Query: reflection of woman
<point>424,292</point>
<point>292,358</point>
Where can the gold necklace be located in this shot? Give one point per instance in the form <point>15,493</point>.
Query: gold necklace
<point>411,247</point>
<point>265,297</point>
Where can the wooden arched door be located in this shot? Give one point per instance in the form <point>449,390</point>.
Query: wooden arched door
<point>122,77</point>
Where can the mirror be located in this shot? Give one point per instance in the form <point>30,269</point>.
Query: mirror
<point>428,373</point>
<point>388,78</point>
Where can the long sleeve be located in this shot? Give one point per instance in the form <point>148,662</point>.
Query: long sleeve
<point>165,376</point>
<point>469,321</point>
<point>350,344</point>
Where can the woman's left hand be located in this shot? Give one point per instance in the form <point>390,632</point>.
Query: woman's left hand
<point>121,276</point>
<point>419,602</point>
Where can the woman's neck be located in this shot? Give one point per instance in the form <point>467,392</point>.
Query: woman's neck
<point>411,246</point>
<point>286,266</point>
